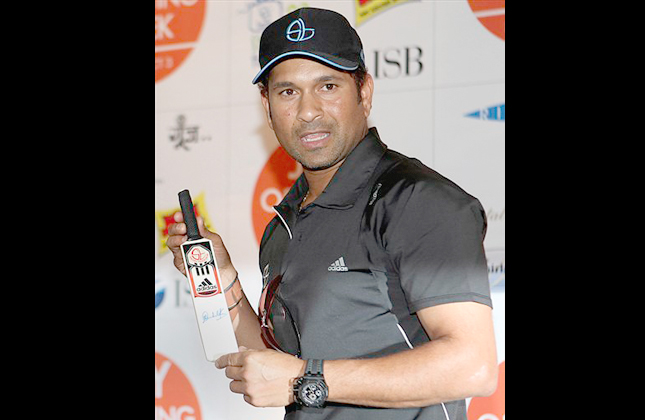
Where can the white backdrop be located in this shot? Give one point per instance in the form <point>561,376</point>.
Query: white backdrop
<point>439,70</point>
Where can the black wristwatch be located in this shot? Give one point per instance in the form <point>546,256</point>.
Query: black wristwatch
<point>311,390</point>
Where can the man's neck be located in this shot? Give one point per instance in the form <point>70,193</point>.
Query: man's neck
<point>318,181</point>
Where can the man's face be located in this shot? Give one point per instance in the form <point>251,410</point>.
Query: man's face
<point>315,112</point>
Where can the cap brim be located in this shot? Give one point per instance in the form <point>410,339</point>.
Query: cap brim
<point>339,63</point>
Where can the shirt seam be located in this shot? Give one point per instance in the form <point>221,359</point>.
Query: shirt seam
<point>423,303</point>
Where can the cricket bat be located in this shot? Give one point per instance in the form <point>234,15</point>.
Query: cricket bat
<point>211,309</point>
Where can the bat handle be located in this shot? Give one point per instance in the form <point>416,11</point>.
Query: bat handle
<point>187,209</point>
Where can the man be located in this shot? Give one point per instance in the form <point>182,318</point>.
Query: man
<point>379,259</point>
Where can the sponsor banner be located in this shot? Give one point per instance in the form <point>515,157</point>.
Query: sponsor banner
<point>491,14</point>
<point>175,397</point>
<point>195,78</point>
<point>177,27</point>
<point>164,218</point>
<point>367,9</point>
<point>400,57</point>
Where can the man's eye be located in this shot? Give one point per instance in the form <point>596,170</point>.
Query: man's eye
<point>329,86</point>
<point>287,92</point>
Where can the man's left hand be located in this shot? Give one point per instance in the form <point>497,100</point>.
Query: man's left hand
<point>264,377</point>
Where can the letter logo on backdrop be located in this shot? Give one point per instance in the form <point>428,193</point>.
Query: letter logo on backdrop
<point>298,32</point>
<point>492,113</point>
<point>177,27</point>
<point>175,397</point>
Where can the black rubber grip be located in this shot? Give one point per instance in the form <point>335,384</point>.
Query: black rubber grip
<point>187,209</point>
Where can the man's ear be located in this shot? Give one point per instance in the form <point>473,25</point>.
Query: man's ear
<point>367,92</point>
<point>267,109</point>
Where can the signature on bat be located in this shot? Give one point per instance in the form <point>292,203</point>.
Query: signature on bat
<point>216,315</point>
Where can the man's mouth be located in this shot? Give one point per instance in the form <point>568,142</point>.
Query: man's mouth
<point>314,137</point>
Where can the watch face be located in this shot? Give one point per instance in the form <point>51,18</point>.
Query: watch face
<point>313,393</point>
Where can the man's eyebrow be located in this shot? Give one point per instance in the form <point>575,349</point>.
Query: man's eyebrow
<point>321,79</point>
<point>327,78</point>
<point>282,85</point>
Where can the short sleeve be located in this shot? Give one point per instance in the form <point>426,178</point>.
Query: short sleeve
<point>436,243</point>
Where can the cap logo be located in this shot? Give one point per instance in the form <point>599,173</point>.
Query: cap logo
<point>298,32</point>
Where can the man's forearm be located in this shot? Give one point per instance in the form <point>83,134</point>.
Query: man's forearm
<point>244,318</point>
<point>436,372</point>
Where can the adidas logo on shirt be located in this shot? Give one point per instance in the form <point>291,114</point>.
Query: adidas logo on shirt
<point>338,265</point>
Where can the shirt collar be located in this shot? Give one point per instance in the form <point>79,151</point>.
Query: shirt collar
<point>348,182</point>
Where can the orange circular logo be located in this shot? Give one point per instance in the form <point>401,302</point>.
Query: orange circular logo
<point>177,26</point>
<point>491,14</point>
<point>493,407</point>
<point>174,395</point>
<point>276,178</point>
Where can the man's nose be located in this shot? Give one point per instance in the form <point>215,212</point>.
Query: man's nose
<point>309,109</point>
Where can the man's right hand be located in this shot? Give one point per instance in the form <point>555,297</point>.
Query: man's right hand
<point>177,236</point>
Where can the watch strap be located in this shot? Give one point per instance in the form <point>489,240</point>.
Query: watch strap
<point>314,367</point>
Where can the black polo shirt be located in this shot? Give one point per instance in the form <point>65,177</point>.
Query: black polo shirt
<point>386,238</point>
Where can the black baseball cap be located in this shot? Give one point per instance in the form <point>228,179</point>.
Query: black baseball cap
<point>323,35</point>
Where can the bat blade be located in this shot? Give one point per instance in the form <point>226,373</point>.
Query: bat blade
<point>211,310</point>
